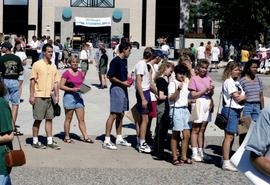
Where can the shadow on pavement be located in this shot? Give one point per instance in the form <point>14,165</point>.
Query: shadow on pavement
<point>73,136</point>
<point>41,139</point>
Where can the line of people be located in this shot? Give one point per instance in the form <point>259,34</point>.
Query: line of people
<point>163,90</point>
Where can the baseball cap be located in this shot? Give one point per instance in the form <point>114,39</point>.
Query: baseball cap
<point>6,45</point>
<point>159,53</point>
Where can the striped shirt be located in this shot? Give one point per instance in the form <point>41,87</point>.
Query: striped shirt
<point>252,88</point>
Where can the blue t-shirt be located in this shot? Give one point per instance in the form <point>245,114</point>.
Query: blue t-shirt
<point>118,69</point>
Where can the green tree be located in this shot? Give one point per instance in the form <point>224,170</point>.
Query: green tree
<point>238,19</point>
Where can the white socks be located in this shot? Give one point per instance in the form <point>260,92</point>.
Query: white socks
<point>35,140</point>
<point>142,141</point>
<point>107,139</point>
<point>194,151</point>
<point>49,140</point>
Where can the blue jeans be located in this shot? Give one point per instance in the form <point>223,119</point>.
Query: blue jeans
<point>12,95</point>
<point>5,180</point>
<point>234,115</point>
<point>252,110</point>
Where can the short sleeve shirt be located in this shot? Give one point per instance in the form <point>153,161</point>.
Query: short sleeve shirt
<point>5,127</point>
<point>252,88</point>
<point>118,69</point>
<point>141,69</point>
<point>76,80</point>
<point>259,141</point>
<point>198,83</point>
<point>45,75</point>
<point>162,85</point>
<point>10,66</point>
<point>229,87</point>
<point>182,99</point>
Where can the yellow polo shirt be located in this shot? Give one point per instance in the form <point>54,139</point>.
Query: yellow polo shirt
<point>45,75</point>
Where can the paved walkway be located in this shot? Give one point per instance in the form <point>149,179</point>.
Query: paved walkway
<point>83,163</point>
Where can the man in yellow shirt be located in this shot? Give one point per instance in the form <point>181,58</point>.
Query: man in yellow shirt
<point>43,80</point>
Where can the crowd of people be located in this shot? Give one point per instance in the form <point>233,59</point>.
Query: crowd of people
<point>169,92</point>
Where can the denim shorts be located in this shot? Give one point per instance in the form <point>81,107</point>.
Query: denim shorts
<point>233,120</point>
<point>5,179</point>
<point>73,101</point>
<point>252,110</point>
<point>118,100</point>
<point>180,118</point>
<point>12,87</point>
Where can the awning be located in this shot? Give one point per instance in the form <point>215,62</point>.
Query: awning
<point>93,22</point>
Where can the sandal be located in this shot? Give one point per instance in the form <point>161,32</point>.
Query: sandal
<point>187,161</point>
<point>17,133</point>
<point>176,162</point>
<point>88,140</point>
<point>68,140</point>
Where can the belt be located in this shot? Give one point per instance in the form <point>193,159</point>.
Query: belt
<point>184,107</point>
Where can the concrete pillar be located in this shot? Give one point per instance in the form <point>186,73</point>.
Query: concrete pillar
<point>32,17</point>
<point>1,15</point>
<point>48,15</point>
<point>151,23</point>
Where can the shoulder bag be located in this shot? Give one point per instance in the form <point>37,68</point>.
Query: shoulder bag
<point>221,120</point>
<point>15,157</point>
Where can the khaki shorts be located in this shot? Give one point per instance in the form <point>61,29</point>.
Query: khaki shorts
<point>43,109</point>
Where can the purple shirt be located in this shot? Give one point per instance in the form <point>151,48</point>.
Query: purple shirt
<point>198,83</point>
<point>76,80</point>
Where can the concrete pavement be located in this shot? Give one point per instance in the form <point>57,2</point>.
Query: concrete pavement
<point>83,163</point>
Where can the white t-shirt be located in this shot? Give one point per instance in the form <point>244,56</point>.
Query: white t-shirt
<point>141,69</point>
<point>154,72</point>
<point>34,44</point>
<point>215,52</point>
<point>230,86</point>
<point>21,55</point>
<point>201,52</point>
<point>83,55</point>
<point>182,99</point>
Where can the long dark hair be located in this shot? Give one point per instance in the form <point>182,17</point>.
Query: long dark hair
<point>15,49</point>
<point>247,70</point>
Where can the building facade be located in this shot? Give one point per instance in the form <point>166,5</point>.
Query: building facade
<point>135,19</point>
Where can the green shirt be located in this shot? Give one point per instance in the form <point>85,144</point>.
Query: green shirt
<point>5,127</point>
<point>10,66</point>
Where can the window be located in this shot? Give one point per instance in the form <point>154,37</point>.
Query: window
<point>92,3</point>
<point>15,2</point>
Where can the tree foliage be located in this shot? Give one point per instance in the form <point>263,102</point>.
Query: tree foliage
<point>239,19</point>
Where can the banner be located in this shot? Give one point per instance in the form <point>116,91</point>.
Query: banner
<point>93,22</point>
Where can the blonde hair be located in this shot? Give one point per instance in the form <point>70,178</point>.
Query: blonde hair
<point>162,68</point>
<point>228,70</point>
<point>73,57</point>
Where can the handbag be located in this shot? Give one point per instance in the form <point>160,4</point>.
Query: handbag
<point>56,108</point>
<point>221,120</point>
<point>15,157</point>
<point>195,111</point>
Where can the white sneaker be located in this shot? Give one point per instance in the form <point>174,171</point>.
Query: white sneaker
<point>144,148</point>
<point>229,166</point>
<point>109,145</point>
<point>197,158</point>
<point>122,142</point>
